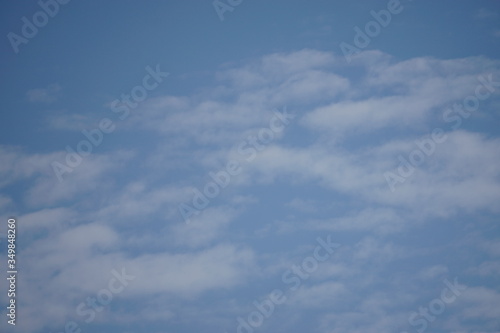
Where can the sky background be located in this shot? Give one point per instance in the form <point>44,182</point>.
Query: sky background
<point>323,174</point>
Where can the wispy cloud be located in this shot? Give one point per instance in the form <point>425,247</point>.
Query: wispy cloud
<point>49,94</point>
<point>485,13</point>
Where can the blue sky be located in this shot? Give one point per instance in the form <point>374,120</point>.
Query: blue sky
<point>180,166</point>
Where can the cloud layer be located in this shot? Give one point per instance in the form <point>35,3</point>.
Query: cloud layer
<point>323,175</point>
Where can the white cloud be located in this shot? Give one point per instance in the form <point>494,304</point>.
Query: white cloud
<point>204,228</point>
<point>47,218</point>
<point>220,267</point>
<point>83,179</point>
<point>380,220</point>
<point>487,268</point>
<point>485,13</point>
<point>321,295</point>
<point>139,199</point>
<point>306,206</point>
<point>433,272</point>
<point>16,164</point>
<point>72,122</point>
<point>481,303</point>
<point>48,94</point>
